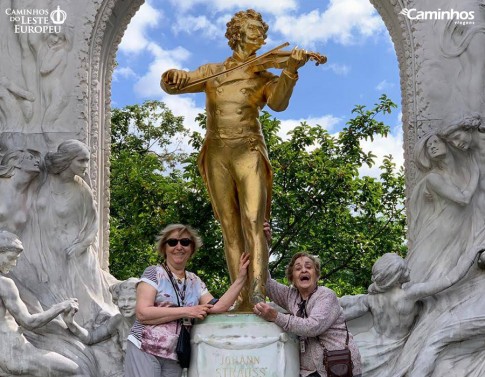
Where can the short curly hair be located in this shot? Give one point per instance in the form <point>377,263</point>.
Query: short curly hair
<point>301,254</point>
<point>234,26</point>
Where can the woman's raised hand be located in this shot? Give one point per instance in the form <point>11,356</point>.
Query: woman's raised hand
<point>243,266</point>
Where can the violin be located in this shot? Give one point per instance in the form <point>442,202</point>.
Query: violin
<point>278,59</point>
<point>274,58</point>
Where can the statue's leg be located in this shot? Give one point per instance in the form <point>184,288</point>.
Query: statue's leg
<point>40,363</point>
<point>252,188</point>
<point>224,199</point>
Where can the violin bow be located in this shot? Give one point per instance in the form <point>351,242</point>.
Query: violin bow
<point>242,65</point>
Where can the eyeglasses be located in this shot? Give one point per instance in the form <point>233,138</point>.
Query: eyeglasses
<point>172,242</point>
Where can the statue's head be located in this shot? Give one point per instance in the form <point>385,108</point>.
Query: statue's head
<point>431,148</point>
<point>459,132</point>
<point>389,271</point>
<point>27,160</point>
<point>124,296</point>
<point>10,249</point>
<point>70,153</point>
<point>246,27</point>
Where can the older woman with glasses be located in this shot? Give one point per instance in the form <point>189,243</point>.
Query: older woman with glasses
<point>167,296</point>
<point>314,314</point>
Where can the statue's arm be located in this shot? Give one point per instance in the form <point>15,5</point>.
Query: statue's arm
<point>278,92</point>
<point>51,61</point>
<point>11,298</point>
<point>354,306</point>
<point>97,335</point>
<point>176,81</point>
<point>443,188</point>
<point>417,291</point>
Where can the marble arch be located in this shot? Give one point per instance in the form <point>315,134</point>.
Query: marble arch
<point>442,74</point>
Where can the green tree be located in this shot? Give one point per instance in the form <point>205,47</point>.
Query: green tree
<point>320,203</point>
<point>144,184</point>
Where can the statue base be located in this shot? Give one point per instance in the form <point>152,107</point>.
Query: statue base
<point>242,345</point>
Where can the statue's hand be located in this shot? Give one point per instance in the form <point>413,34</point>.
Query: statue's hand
<point>177,78</point>
<point>69,307</point>
<point>297,59</point>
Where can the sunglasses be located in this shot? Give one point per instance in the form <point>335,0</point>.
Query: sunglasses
<point>174,241</point>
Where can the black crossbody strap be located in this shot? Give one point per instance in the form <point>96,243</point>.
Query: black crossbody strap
<point>175,287</point>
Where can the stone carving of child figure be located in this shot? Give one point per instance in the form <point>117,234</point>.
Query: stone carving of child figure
<point>17,355</point>
<point>119,325</point>
<point>394,305</point>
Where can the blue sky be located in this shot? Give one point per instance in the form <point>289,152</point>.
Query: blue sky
<point>184,34</point>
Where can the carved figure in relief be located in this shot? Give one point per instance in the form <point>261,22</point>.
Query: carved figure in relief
<point>234,161</point>
<point>18,170</point>
<point>465,42</point>
<point>53,63</point>
<point>16,106</point>
<point>59,239</point>
<point>119,325</point>
<point>440,215</point>
<point>393,302</point>
<point>17,355</point>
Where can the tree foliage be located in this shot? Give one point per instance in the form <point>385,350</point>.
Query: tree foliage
<point>144,183</point>
<point>320,202</point>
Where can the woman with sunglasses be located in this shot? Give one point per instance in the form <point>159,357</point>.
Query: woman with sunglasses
<point>314,314</point>
<point>168,295</point>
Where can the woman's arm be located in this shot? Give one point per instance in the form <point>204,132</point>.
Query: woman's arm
<point>149,314</point>
<point>227,300</point>
<point>323,314</point>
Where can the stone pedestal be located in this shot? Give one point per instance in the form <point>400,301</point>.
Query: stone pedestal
<point>242,345</point>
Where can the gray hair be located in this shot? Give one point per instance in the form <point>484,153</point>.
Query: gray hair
<point>313,258</point>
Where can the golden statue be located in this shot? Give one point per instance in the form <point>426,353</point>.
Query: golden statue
<point>234,161</point>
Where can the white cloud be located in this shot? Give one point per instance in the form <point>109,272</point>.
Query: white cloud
<point>326,121</point>
<point>272,7</point>
<point>382,146</point>
<point>200,24</point>
<point>123,72</point>
<point>135,39</point>
<point>338,69</point>
<point>344,21</point>
<point>149,84</point>
<point>184,105</point>
<point>384,85</point>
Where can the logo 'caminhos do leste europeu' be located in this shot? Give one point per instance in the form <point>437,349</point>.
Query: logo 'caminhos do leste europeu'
<point>35,21</point>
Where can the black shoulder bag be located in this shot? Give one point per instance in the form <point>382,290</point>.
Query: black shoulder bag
<point>183,349</point>
<point>338,363</point>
